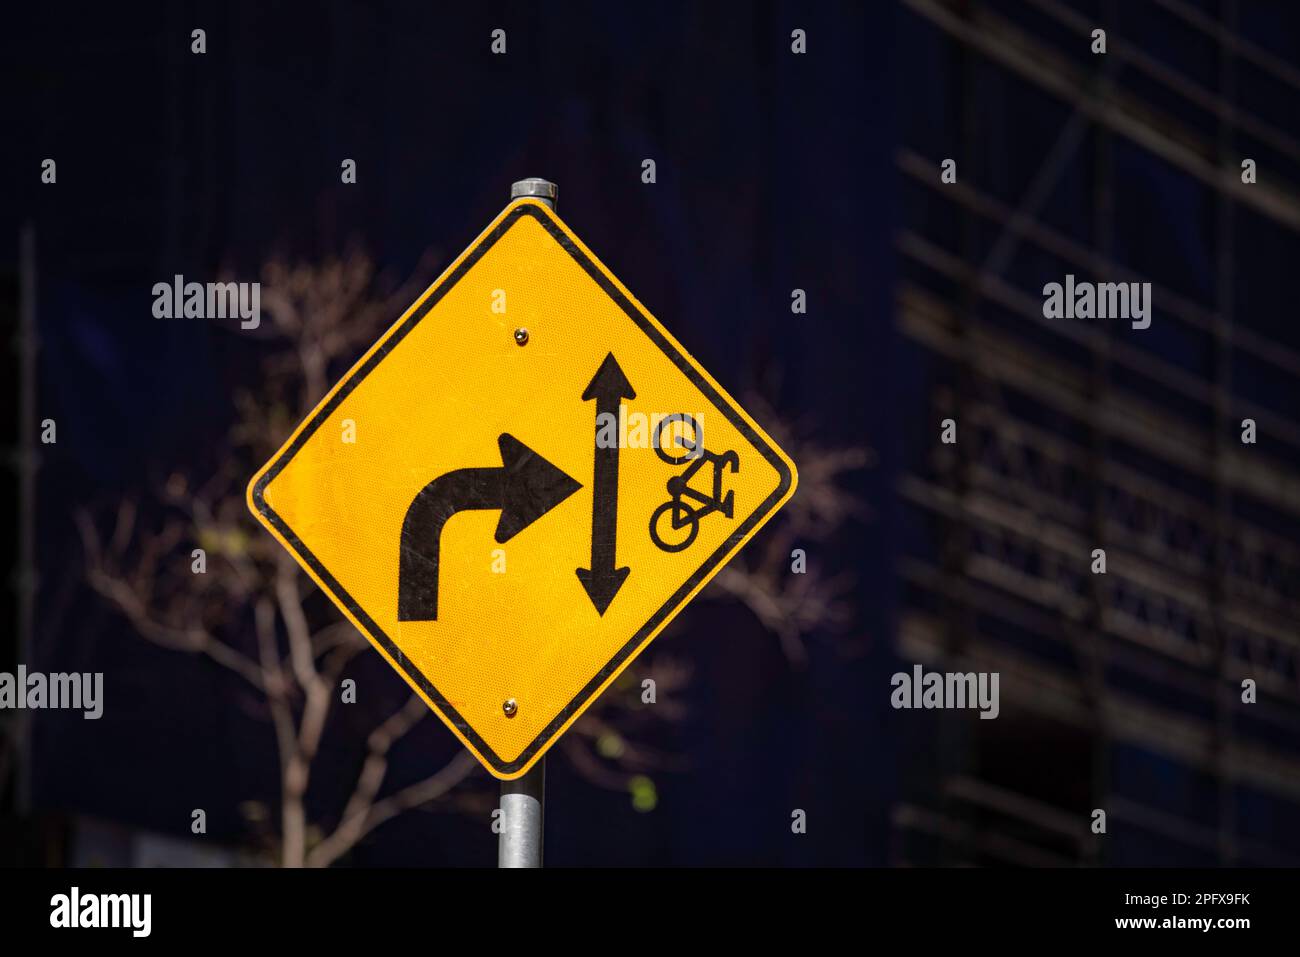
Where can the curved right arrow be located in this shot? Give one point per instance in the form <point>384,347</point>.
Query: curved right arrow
<point>609,386</point>
<point>524,487</point>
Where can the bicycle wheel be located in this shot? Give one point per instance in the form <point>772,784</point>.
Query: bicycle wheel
<point>680,450</point>
<point>679,536</point>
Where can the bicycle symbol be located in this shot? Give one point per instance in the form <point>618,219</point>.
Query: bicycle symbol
<point>675,523</point>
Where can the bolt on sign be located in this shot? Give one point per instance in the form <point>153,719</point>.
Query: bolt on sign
<point>537,479</point>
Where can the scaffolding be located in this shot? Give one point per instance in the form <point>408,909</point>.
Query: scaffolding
<point>1075,435</point>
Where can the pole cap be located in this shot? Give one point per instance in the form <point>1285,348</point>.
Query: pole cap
<point>542,189</point>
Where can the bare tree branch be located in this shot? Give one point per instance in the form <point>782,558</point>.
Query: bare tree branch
<point>352,829</point>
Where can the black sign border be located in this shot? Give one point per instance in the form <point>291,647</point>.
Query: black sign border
<point>355,377</point>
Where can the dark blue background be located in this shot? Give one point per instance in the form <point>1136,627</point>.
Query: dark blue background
<point>774,172</point>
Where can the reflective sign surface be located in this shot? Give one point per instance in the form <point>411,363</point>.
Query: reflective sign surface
<point>518,486</point>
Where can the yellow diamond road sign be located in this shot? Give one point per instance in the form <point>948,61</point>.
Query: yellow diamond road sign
<point>518,486</point>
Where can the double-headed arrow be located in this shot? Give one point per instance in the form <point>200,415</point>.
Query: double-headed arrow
<point>525,487</point>
<point>602,580</point>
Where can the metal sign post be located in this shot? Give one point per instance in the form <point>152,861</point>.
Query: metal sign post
<point>523,800</point>
<point>523,803</point>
